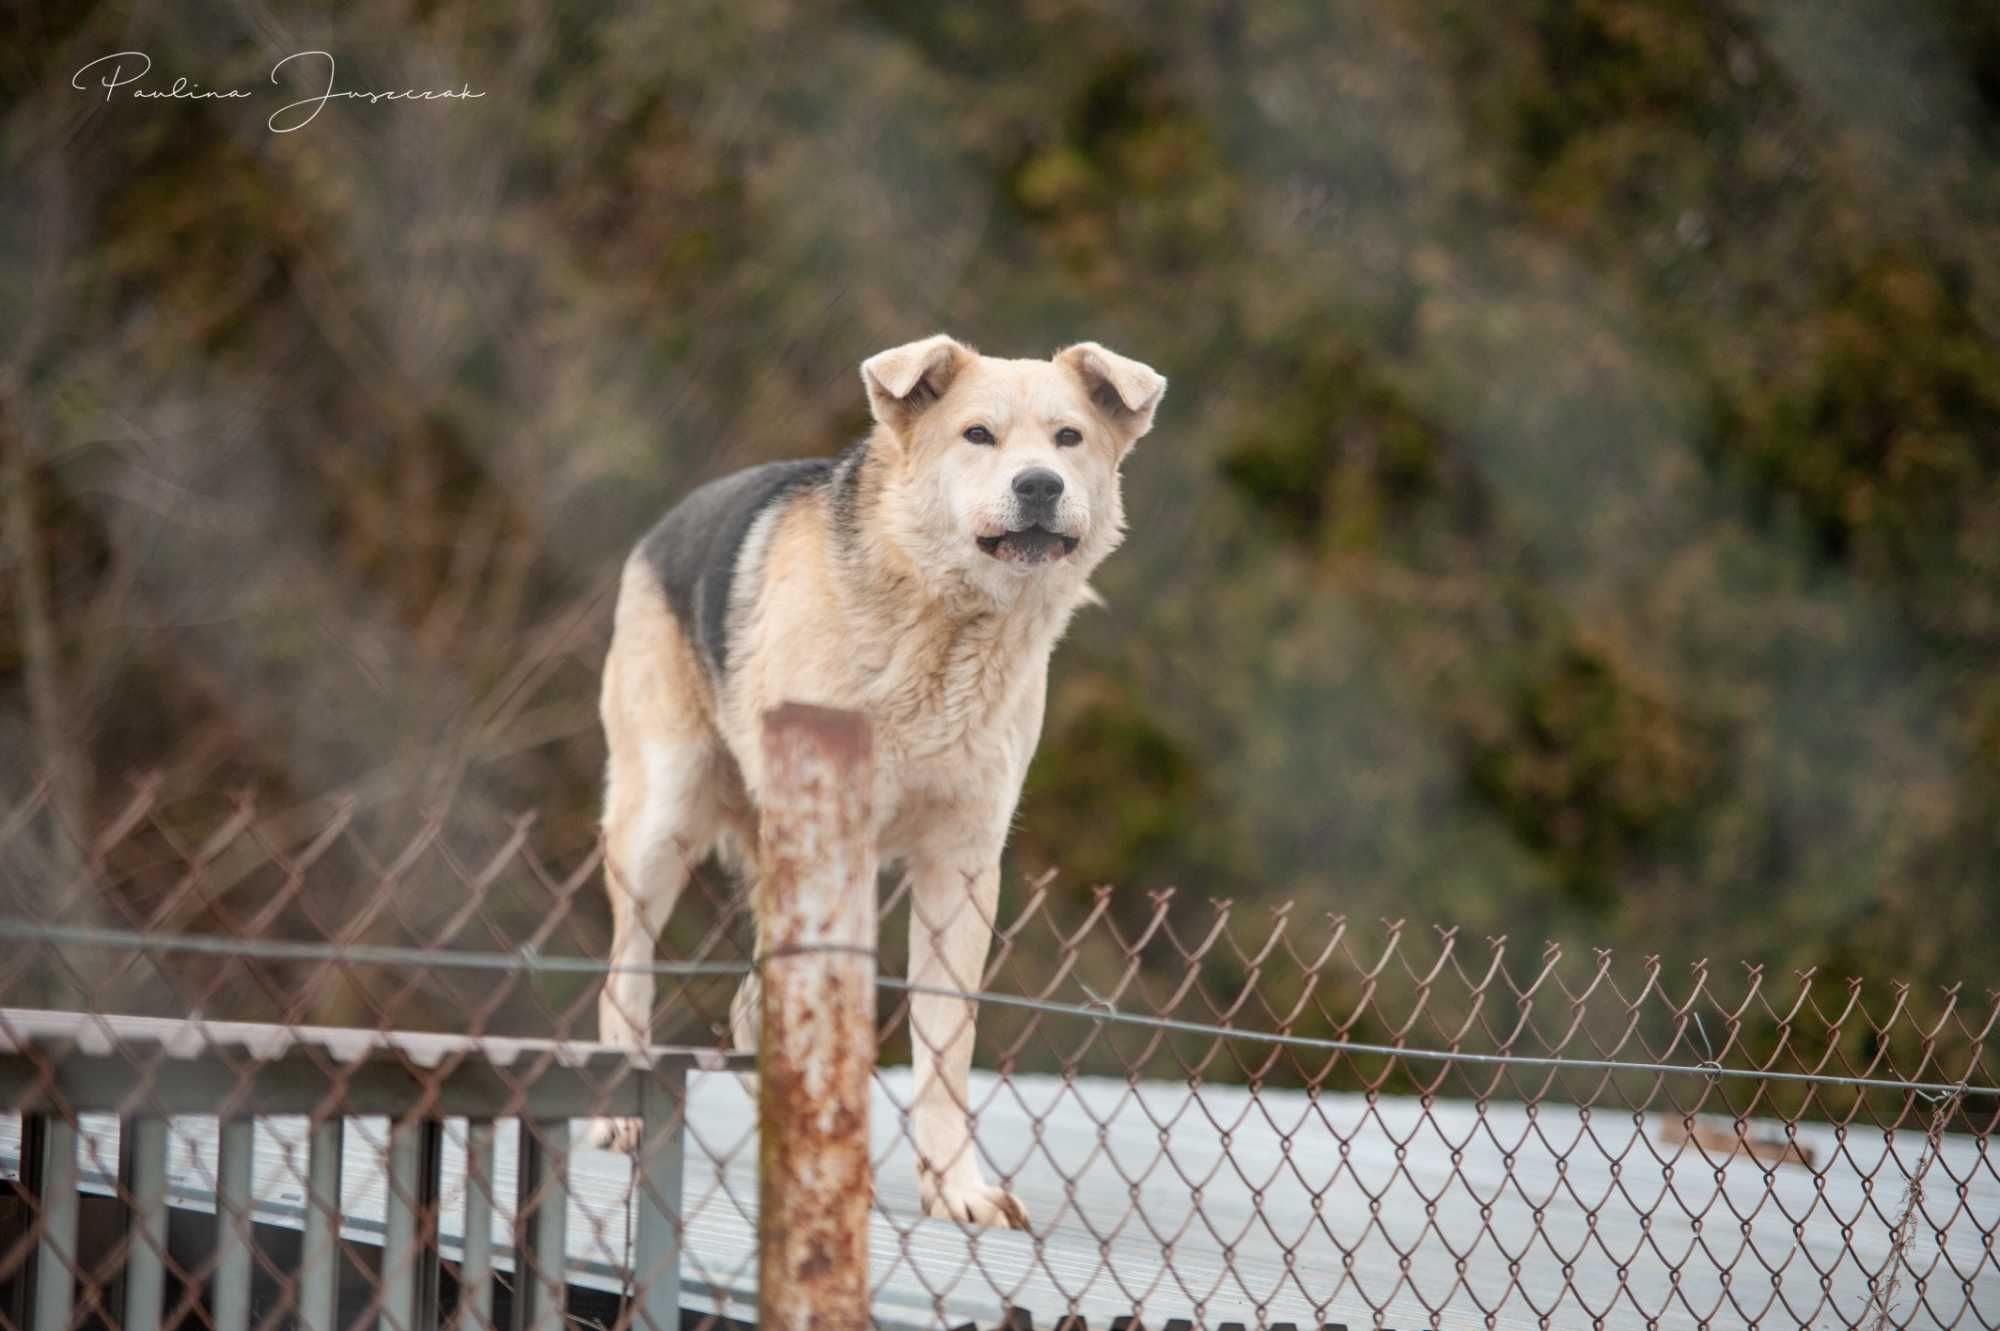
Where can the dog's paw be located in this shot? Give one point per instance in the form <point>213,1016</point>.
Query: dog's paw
<point>978,1204</point>
<point>615,1134</point>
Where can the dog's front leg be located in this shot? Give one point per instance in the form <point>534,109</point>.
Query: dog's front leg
<point>952,904</point>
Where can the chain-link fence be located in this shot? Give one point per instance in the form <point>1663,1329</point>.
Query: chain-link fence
<point>337,1065</point>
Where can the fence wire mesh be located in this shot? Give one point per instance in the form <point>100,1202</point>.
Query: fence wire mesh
<point>337,1064</point>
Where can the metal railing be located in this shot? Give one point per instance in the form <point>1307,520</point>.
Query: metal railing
<point>56,1067</point>
<point>1211,1114</point>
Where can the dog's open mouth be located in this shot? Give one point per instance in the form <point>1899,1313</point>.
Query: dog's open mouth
<point>1030,545</point>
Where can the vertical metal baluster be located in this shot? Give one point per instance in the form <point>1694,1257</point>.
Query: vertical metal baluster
<point>409,1247</point>
<point>399,1232</point>
<point>656,1250</point>
<point>56,1253</point>
<point>475,1272</point>
<point>142,1171</point>
<point>21,1297</point>
<point>430,1196</point>
<point>541,1235</point>
<point>233,1232</point>
<point>318,1288</point>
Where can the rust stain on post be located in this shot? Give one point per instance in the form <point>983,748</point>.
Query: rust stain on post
<point>816,1046</point>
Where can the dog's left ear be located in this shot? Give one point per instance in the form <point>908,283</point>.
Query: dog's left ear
<point>1123,389</point>
<point>904,380</point>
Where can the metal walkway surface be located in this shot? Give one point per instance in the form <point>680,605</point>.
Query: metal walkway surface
<point>1219,1207</point>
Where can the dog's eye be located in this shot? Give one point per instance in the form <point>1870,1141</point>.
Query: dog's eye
<point>979,434</point>
<point>1068,438</point>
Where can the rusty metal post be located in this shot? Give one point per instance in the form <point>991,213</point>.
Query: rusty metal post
<point>816,1046</point>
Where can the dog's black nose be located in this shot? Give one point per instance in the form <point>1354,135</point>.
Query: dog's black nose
<point>1038,485</point>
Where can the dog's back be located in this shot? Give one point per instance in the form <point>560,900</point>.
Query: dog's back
<point>695,548</point>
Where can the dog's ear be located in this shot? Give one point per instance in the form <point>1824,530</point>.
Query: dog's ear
<point>904,380</point>
<point>1124,390</point>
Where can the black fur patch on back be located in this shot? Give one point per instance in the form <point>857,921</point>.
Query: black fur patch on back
<point>844,490</point>
<point>695,547</point>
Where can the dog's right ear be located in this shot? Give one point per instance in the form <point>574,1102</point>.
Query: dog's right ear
<point>904,380</point>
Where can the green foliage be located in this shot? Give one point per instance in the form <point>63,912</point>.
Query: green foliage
<point>1593,769</point>
<point>1160,828</point>
<point>1884,439</point>
<point>1336,447</point>
<point>1608,63</point>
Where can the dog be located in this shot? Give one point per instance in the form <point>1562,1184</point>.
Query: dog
<point>921,578</point>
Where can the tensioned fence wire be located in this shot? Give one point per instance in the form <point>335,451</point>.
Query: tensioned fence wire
<point>530,961</point>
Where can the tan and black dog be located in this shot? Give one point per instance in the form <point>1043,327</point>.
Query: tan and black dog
<point>921,578</point>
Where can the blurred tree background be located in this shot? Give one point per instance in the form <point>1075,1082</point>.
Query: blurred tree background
<point>1576,512</point>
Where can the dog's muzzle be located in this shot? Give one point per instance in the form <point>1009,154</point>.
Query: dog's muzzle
<point>1033,537</point>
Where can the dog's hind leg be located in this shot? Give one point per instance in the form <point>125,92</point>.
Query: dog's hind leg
<point>660,818</point>
<point>648,855</point>
<point>652,836</point>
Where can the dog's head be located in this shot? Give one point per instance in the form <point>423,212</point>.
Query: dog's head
<point>1007,469</point>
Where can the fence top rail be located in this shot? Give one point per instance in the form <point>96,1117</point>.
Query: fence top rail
<point>60,1031</point>
<point>71,1062</point>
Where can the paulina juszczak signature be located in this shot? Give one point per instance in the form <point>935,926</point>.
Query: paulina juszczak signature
<point>127,68</point>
